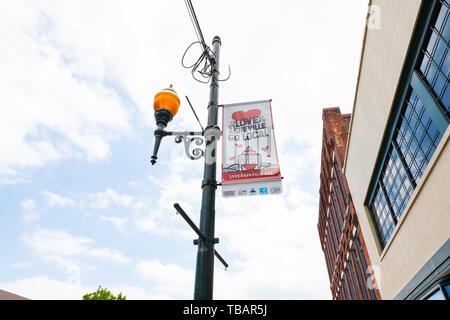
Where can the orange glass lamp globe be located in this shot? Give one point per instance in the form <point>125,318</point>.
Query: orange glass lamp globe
<point>167,99</point>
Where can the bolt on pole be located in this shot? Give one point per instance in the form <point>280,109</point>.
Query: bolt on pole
<point>204,274</point>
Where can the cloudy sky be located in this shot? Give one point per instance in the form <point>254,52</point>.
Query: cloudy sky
<point>81,205</point>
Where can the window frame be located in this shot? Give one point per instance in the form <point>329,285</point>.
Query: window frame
<point>440,286</point>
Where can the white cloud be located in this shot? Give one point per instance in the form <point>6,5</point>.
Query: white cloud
<point>119,223</point>
<point>55,200</point>
<point>29,216</point>
<point>167,279</point>
<point>109,254</point>
<point>63,114</point>
<point>150,223</point>
<point>67,250</point>
<point>43,288</point>
<point>29,213</point>
<point>140,214</point>
<point>96,200</point>
<point>28,204</point>
<point>102,200</point>
<point>20,265</point>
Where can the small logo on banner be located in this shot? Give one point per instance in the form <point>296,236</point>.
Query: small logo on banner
<point>229,193</point>
<point>253,192</point>
<point>275,190</point>
<point>263,190</point>
<point>242,192</point>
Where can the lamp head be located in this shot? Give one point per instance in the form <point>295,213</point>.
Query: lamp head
<point>166,105</point>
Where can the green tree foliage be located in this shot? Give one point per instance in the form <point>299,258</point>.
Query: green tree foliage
<point>103,294</point>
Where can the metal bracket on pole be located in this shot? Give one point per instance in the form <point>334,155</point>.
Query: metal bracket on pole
<point>209,137</point>
<point>210,183</point>
<point>197,137</point>
<point>199,233</point>
<point>197,153</point>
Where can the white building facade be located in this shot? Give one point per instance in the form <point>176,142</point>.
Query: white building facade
<point>397,161</point>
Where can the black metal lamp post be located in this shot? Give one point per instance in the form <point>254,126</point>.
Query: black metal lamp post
<point>166,105</point>
<point>204,274</point>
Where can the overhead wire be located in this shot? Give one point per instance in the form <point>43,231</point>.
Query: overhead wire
<point>194,21</point>
<point>207,58</point>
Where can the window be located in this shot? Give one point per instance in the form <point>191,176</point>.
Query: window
<point>336,211</point>
<point>341,205</point>
<point>330,225</point>
<point>366,269</point>
<point>352,290</point>
<point>441,291</point>
<point>417,128</point>
<point>447,289</point>
<point>362,283</point>
<point>341,182</point>
<point>328,260</point>
<point>436,295</point>
<point>353,285</point>
<point>434,62</point>
<point>347,295</point>
<point>414,142</point>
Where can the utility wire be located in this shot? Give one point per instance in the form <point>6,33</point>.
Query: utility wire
<point>207,57</point>
<point>195,23</point>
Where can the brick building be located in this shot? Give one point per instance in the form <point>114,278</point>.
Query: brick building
<point>348,264</point>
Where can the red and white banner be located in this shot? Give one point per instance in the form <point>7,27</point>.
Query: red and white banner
<point>249,154</point>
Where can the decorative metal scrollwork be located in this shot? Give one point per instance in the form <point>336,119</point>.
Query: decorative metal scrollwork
<point>196,153</point>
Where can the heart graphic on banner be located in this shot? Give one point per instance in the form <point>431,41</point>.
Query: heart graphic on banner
<point>250,166</point>
<point>238,145</point>
<point>265,148</point>
<point>239,115</point>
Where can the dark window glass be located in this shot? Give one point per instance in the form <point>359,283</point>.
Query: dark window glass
<point>336,211</point>
<point>352,275</point>
<point>341,294</point>
<point>337,226</point>
<point>416,137</point>
<point>362,281</point>
<point>350,284</point>
<point>328,257</point>
<point>366,269</point>
<point>447,290</point>
<point>341,182</point>
<point>338,193</point>
<point>347,295</point>
<point>333,236</point>
<point>411,148</point>
<point>382,215</point>
<point>434,63</point>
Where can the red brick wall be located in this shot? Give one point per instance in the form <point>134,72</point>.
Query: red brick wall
<point>334,140</point>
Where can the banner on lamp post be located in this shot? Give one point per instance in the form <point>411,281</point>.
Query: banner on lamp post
<point>249,153</point>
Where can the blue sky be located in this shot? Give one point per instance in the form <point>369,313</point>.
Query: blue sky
<point>81,205</point>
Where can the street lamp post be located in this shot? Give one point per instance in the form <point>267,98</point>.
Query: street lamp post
<point>204,273</point>
<point>166,106</point>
